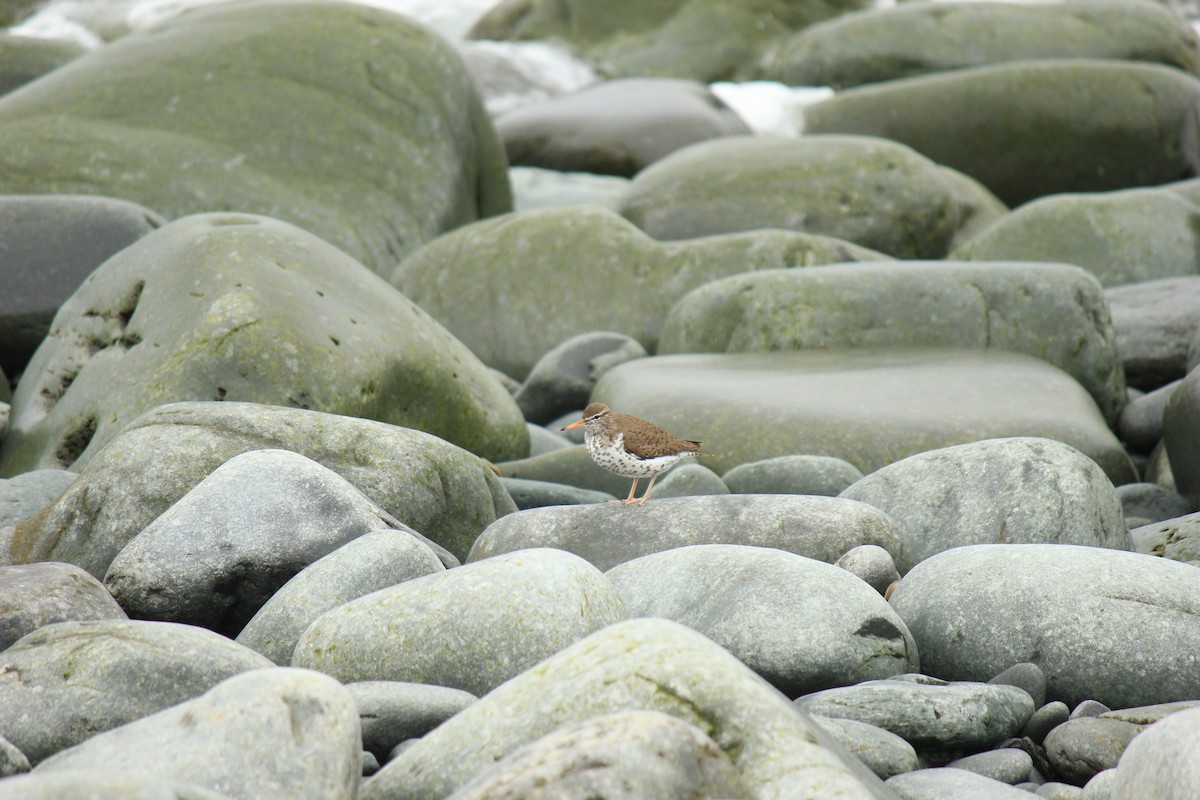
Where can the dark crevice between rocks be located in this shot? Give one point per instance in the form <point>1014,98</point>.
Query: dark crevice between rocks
<point>74,441</point>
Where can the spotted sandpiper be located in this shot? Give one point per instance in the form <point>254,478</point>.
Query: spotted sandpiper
<point>631,447</point>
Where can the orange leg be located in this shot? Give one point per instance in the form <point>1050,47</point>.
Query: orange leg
<point>629,499</point>
<point>641,501</point>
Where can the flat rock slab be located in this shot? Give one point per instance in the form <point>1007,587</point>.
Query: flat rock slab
<point>1028,128</point>
<point>997,491</point>
<point>802,624</point>
<point>1055,312</point>
<point>869,406</point>
<point>297,323</point>
<point>822,528</point>
<point>469,628</point>
<point>376,140</point>
<point>294,733</point>
<point>70,680</point>
<point>1102,624</point>
<point>33,595</point>
<point>643,664</point>
<point>438,489</point>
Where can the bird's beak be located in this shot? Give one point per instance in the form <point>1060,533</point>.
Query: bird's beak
<point>573,425</point>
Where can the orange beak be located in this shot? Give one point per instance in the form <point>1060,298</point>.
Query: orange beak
<point>573,425</point>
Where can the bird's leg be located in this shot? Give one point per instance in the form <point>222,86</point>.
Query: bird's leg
<point>641,501</point>
<point>629,499</point>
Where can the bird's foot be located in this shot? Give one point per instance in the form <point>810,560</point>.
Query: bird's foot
<point>640,501</point>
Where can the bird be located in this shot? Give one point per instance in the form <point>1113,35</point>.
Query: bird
<point>631,447</point>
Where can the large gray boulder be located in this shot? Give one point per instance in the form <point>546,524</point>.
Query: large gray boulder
<point>546,264</point>
<point>802,624</point>
<point>1028,128</point>
<point>1102,624</point>
<point>366,564</point>
<point>50,244</point>
<point>296,735</point>
<point>469,628</point>
<point>28,493</point>
<point>219,553</point>
<point>438,489</point>
<point>351,122</point>
<point>392,712</point>
<point>33,595</point>
<point>1018,490</point>
<point>292,321</point>
<point>647,664</point>
<point>1055,312</point>
<point>821,528</point>
<point>868,405</point>
<point>1163,762</point>
<point>921,37</point>
<point>68,681</point>
<point>1121,237</point>
<point>870,191</point>
<point>1155,322</point>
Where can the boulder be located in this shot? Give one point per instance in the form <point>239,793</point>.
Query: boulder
<point>296,323</point>
<point>870,191</point>
<point>870,406</point>
<point>23,58</point>
<point>1017,490</point>
<point>1054,312</point>
<point>392,712</point>
<point>563,378</point>
<point>102,786</point>
<point>1155,322</point>
<point>1102,624</point>
<point>885,753</point>
<point>1163,761</point>
<point>542,263</point>
<point>1081,747</point>
<point>802,624</point>
<point>28,493</point>
<point>1181,436</point>
<point>797,474</point>
<point>432,486</point>
<point>821,528</point>
<point>961,784</point>
<point>374,140</point>
<point>33,595</point>
<point>1028,128</point>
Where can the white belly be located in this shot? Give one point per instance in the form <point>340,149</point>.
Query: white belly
<point>617,460</point>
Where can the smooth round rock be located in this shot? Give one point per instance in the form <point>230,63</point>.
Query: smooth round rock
<point>1177,539</point>
<point>1155,322</point>
<point>392,712</point>
<point>26,494</point>
<point>538,494</point>
<point>1018,490</point>
<point>23,58</point>
<point>1102,624</point>
<point>1181,420</point>
<point>1006,764</point>
<point>563,378</point>
<point>33,595</point>
<point>365,564</point>
<point>1081,747</point>
<point>802,624</point>
<point>469,628</point>
<point>883,751</point>
<point>796,474</point>
<point>65,682</point>
<point>1025,676</point>
<point>1141,422</point>
<point>269,732</point>
<point>606,535</point>
<point>943,782</point>
<point>12,760</point>
<point>1162,762</point>
<point>1045,719</point>
<point>688,480</point>
<point>871,564</point>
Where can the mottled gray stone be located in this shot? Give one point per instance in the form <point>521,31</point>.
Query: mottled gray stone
<point>103,785</point>
<point>542,440</point>
<point>429,484</point>
<point>296,735</point>
<point>1148,715</point>
<point>606,535</point>
<point>1100,787</point>
<point>219,553</point>
<point>929,714</point>
<point>689,480</point>
<point>26,494</point>
<point>1102,624</point>
<point>1083,746</point>
<point>564,377</point>
<point>469,628</point>
<point>1089,708</point>
<point>538,494</point>
<point>1054,790</point>
<point>943,782</point>
<point>871,564</point>
<point>1181,422</point>
<point>33,595</point>
<point>885,753</point>
<point>1155,321</point>
<point>1006,764</point>
<point>796,474</point>
<point>12,760</point>
<point>1141,422</point>
<point>802,624</point>
<point>647,664</point>
<point>68,681</point>
<point>365,564</point>
<point>1014,490</point>
<point>392,712</point>
<point>1177,539</point>
<point>1025,676</point>
<point>1163,762</point>
<point>639,755</point>
<point>24,58</point>
<point>1151,502</point>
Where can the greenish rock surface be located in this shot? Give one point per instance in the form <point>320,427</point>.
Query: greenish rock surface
<point>706,40</point>
<point>821,528</point>
<point>67,681</point>
<point>35,595</point>
<point>514,287</point>
<point>798,474</point>
<point>572,466</point>
<point>647,664</point>
<point>469,628</point>
<point>869,406</point>
<point>1121,237</point>
<point>353,123</point>
<point>1181,436</point>
<point>296,735</point>
<point>23,58</point>
<point>1028,128</point>
<point>867,190</point>
<point>921,37</point>
<point>1054,312</point>
<point>439,490</point>
<point>236,307</point>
